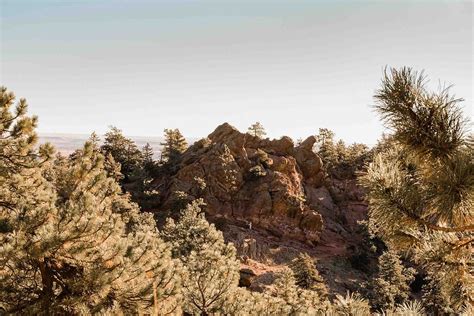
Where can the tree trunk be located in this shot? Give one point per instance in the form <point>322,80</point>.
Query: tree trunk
<point>47,282</point>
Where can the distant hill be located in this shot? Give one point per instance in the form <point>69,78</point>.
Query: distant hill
<point>67,143</point>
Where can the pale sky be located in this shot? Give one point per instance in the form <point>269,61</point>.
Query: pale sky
<point>295,66</point>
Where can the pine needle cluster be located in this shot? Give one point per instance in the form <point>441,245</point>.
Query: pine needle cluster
<point>421,189</point>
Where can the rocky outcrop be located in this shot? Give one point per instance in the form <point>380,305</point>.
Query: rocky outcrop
<point>259,183</point>
<point>272,200</point>
<point>246,277</point>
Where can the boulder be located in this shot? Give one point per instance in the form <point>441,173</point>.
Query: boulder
<point>246,277</point>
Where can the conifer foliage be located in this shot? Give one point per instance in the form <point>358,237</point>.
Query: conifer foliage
<point>173,146</point>
<point>257,130</point>
<point>124,150</point>
<point>421,190</point>
<point>71,242</point>
<point>306,274</point>
<point>295,300</point>
<point>391,286</point>
<point>147,157</point>
<point>350,305</point>
<point>340,160</point>
<point>211,270</point>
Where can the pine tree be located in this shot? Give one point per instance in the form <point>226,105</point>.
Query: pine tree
<point>19,159</point>
<point>94,139</point>
<point>435,300</point>
<point>211,271</point>
<point>350,305</point>
<point>173,146</point>
<point>245,302</point>
<point>325,137</point>
<point>326,148</point>
<point>357,154</point>
<point>147,158</point>
<point>25,197</point>
<point>285,288</point>
<point>140,184</point>
<point>306,274</point>
<point>70,241</point>
<point>18,137</point>
<point>391,286</point>
<point>92,251</point>
<point>340,160</point>
<point>421,189</point>
<point>257,130</point>
<point>413,308</point>
<point>124,150</point>
<point>296,301</point>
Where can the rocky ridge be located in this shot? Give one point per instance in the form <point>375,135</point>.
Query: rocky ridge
<point>259,182</point>
<point>271,198</point>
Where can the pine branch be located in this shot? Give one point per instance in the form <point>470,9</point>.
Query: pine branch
<point>423,222</point>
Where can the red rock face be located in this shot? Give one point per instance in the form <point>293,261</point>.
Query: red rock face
<point>259,182</point>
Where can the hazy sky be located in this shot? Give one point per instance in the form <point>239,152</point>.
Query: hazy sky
<point>293,65</point>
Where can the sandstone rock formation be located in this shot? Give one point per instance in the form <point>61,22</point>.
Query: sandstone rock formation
<point>260,182</point>
<point>273,201</point>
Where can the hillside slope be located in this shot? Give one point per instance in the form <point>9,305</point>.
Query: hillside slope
<point>272,200</point>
